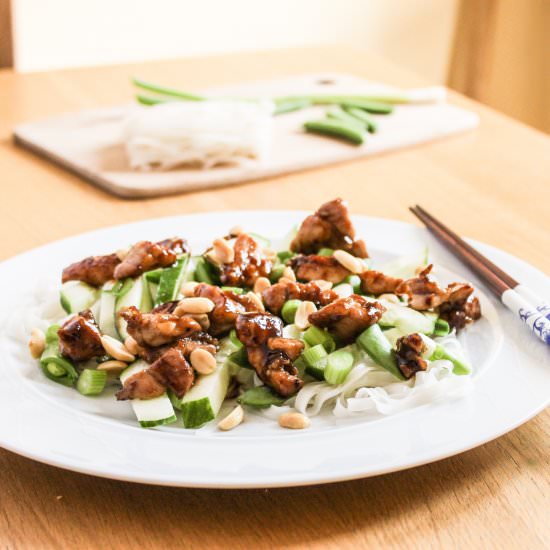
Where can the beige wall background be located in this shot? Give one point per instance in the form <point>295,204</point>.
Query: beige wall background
<point>51,34</point>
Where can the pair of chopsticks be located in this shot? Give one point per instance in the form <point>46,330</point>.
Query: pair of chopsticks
<point>533,311</point>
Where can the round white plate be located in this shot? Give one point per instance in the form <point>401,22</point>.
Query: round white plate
<point>50,423</point>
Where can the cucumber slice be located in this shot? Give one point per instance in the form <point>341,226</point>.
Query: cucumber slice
<point>149,412</point>
<point>106,319</point>
<point>408,320</point>
<point>203,401</point>
<point>170,281</point>
<point>405,267</point>
<point>139,296</point>
<point>77,296</point>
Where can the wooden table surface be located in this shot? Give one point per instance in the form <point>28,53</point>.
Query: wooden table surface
<point>492,184</point>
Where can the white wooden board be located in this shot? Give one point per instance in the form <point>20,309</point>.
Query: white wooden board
<point>88,143</point>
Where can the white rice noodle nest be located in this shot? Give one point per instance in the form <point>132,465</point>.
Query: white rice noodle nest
<point>198,133</point>
<point>370,389</point>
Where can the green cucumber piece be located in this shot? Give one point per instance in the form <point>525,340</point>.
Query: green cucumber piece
<point>203,401</point>
<point>205,272</point>
<point>408,320</point>
<point>260,397</point>
<point>138,296</point>
<point>149,412</point>
<point>379,349</point>
<point>404,267</point>
<point>170,281</point>
<point>106,321</point>
<point>76,296</point>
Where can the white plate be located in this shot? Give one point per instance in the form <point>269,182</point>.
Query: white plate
<point>47,422</point>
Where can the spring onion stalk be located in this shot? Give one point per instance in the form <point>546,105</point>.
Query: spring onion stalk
<point>315,335</point>
<point>355,282</point>
<point>290,105</point>
<point>53,364</point>
<point>91,381</point>
<point>336,128</point>
<point>146,100</point>
<point>314,354</point>
<point>339,364</point>
<point>338,113</point>
<point>362,116</point>
<point>166,91</point>
<point>378,348</point>
<point>325,252</point>
<point>440,352</point>
<point>384,98</point>
<point>289,309</point>
<point>442,328</point>
<point>260,397</point>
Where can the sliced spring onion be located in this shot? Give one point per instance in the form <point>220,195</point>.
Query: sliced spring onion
<point>290,105</point>
<point>336,128</point>
<point>234,289</point>
<point>314,354</point>
<point>459,366</point>
<point>53,364</point>
<point>338,113</point>
<point>442,328</point>
<point>289,309</point>
<point>325,252</point>
<point>91,382</point>
<point>285,255</point>
<point>315,335</point>
<point>260,397</point>
<point>276,273</point>
<point>377,346</point>
<point>339,364</point>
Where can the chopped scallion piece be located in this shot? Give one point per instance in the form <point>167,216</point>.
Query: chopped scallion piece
<point>288,312</point>
<point>325,252</point>
<point>91,382</point>
<point>315,335</point>
<point>441,328</point>
<point>339,364</point>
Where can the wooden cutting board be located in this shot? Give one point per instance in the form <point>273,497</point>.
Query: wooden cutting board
<point>88,143</point>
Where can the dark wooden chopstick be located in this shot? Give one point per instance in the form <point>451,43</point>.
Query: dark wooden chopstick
<point>475,260</point>
<point>510,281</point>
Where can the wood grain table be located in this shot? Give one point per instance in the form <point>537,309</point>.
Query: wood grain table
<point>492,184</point>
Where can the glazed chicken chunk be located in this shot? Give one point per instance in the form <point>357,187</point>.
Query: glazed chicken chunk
<point>145,255</point>
<point>376,282</point>
<point>79,337</point>
<point>347,317</point>
<point>409,350</point>
<point>329,227</point>
<point>187,345</point>
<point>423,291</point>
<point>170,371</point>
<point>313,267</point>
<point>227,305</point>
<point>95,270</point>
<point>249,263</point>
<point>275,296</point>
<point>269,353</point>
<point>156,329</point>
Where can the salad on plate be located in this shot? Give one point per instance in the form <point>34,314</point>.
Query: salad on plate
<point>287,333</point>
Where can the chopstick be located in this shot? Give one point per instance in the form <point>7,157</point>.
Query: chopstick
<point>522,301</point>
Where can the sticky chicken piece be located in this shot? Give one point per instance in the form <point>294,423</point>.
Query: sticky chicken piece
<point>460,308</point>
<point>79,337</point>
<point>156,329</point>
<point>347,317</point>
<point>313,267</point>
<point>227,305</point>
<point>423,291</point>
<point>94,270</point>
<point>145,255</point>
<point>329,227</point>
<point>170,371</point>
<point>376,282</point>
<point>249,263</point>
<point>269,353</point>
<point>409,350</point>
<point>275,296</point>
<point>187,345</point>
